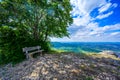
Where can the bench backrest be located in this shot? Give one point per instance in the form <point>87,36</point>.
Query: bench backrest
<point>26,49</point>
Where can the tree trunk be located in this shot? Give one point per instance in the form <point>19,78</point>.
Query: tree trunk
<point>35,33</point>
<point>46,35</point>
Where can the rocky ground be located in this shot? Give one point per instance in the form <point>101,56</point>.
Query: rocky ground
<point>64,67</point>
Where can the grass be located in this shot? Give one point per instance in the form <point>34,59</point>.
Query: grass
<point>53,50</point>
<point>103,56</point>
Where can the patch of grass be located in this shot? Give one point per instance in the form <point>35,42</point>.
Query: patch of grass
<point>118,67</point>
<point>88,78</point>
<point>53,50</point>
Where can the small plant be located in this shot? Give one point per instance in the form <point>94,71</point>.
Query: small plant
<point>88,78</point>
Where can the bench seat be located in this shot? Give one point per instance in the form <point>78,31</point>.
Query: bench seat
<point>29,54</point>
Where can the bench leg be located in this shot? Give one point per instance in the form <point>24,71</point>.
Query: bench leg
<point>27,57</point>
<point>40,53</point>
<point>31,56</point>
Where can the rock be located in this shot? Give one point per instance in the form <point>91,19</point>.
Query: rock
<point>115,63</point>
<point>117,55</point>
<point>62,72</point>
<point>66,56</point>
<point>107,52</point>
<point>55,79</point>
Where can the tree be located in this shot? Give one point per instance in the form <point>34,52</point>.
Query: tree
<point>37,20</point>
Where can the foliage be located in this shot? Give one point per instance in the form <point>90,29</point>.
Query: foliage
<point>12,43</point>
<point>29,23</point>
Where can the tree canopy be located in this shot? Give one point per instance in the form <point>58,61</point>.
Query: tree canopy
<point>32,22</point>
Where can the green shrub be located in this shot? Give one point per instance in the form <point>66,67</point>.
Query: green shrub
<point>12,41</point>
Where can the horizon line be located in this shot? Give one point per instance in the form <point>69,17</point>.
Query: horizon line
<point>86,41</point>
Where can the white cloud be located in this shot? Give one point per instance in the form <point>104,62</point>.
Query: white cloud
<point>115,33</point>
<point>85,6</point>
<point>104,15</point>
<point>65,39</point>
<point>104,8</point>
<point>115,5</point>
<point>111,27</point>
<point>107,7</point>
<point>82,20</point>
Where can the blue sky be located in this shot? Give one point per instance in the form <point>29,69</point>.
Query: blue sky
<point>94,21</point>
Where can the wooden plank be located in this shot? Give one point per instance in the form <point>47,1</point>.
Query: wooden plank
<point>30,55</point>
<point>36,52</point>
<point>26,49</point>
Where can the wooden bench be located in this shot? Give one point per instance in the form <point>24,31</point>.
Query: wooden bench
<point>29,51</point>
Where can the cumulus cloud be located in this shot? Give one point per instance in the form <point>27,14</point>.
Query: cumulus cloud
<point>81,20</point>
<point>93,31</point>
<point>85,6</point>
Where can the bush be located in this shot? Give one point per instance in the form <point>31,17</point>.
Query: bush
<point>12,41</point>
